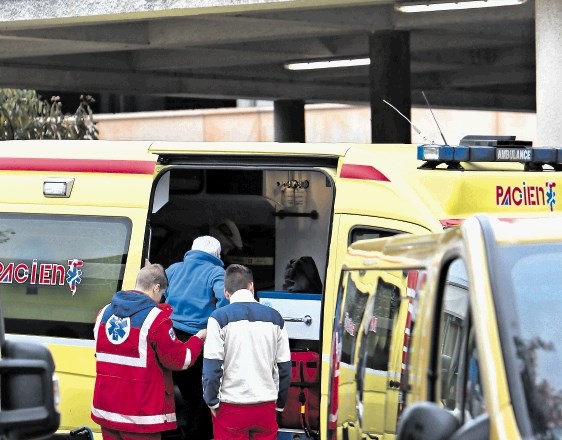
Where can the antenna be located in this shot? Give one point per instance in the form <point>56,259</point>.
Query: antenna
<point>417,130</point>
<point>434,118</point>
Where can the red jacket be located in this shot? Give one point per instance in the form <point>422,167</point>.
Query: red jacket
<point>136,349</point>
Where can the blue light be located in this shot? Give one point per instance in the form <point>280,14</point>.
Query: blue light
<point>544,155</point>
<point>462,153</point>
<point>482,154</point>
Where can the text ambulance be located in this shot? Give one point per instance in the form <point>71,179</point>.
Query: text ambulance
<point>77,219</point>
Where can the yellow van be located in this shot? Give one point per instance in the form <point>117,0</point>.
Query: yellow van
<point>482,358</point>
<point>77,219</point>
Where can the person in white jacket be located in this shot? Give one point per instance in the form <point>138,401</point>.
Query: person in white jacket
<point>247,362</point>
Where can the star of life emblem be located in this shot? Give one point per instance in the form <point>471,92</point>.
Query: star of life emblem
<point>74,274</point>
<point>118,329</point>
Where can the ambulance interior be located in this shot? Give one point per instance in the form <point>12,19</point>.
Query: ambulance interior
<point>280,214</point>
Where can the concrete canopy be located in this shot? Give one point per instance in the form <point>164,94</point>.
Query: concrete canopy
<point>228,49</point>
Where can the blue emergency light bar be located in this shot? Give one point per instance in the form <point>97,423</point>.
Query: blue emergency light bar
<point>490,149</point>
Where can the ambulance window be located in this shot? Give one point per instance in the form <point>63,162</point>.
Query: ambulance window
<point>374,359</point>
<point>378,329</point>
<point>367,233</point>
<point>473,394</point>
<point>530,323</point>
<point>351,316</point>
<point>452,331</point>
<point>59,270</point>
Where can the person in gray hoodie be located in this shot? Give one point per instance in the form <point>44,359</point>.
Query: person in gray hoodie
<point>195,290</point>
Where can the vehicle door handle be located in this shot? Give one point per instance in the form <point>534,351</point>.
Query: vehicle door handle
<point>394,384</point>
<point>307,319</point>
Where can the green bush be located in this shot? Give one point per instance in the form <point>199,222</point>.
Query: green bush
<point>26,115</point>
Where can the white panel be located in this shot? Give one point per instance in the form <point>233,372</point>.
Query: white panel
<point>296,306</point>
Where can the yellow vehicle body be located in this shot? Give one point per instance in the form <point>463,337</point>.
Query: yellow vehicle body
<point>460,376</point>
<point>127,201</point>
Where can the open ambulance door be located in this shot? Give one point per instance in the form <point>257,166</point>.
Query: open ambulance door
<point>368,337</point>
<point>345,412</point>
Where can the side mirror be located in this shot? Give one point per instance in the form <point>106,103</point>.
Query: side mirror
<point>28,391</point>
<point>426,420</point>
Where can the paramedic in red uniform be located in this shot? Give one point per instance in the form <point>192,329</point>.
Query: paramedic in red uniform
<point>136,349</point>
<point>246,364</point>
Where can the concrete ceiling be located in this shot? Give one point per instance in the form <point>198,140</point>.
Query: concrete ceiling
<point>481,58</point>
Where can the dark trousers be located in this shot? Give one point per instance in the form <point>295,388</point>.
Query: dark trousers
<point>198,423</point>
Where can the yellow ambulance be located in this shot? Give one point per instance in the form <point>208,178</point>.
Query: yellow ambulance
<point>482,346</point>
<point>78,218</point>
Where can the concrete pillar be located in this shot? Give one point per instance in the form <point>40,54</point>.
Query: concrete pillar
<point>288,121</point>
<point>112,103</point>
<point>127,103</point>
<point>389,79</point>
<point>548,36</point>
<point>105,103</point>
<point>147,103</point>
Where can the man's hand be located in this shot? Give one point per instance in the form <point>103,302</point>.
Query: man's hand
<point>202,334</point>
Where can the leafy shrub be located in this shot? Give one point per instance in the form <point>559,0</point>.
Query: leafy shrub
<point>26,115</point>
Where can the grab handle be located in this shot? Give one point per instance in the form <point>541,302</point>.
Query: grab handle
<point>307,319</point>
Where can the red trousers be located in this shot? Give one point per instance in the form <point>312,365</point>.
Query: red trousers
<point>110,434</point>
<point>243,422</point>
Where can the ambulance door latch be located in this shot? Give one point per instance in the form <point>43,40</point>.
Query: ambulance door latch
<point>307,319</point>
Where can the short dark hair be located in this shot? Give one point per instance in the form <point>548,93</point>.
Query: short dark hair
<point>150,275</point>
<point>237,277</point>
